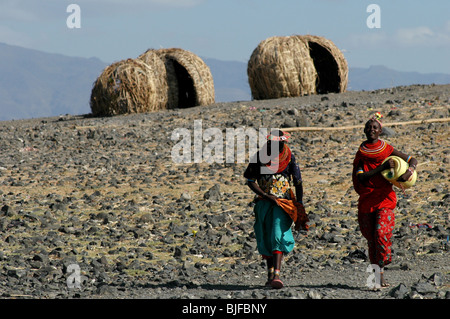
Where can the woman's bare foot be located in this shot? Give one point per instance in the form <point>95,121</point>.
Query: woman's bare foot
<point>383,282</point>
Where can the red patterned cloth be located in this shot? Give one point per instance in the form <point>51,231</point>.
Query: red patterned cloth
<point>377,228</point>
<point>377,200</point>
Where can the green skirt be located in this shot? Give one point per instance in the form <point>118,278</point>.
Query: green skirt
<point>272,229</point>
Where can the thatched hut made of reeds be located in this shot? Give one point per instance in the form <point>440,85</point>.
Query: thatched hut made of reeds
<point>189,79</point>
<point>281,67</point>
<point>295,66</point>
<point>157,79</point>
<point>130,86</point>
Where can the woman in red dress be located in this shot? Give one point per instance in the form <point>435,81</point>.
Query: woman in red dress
<point>377,199</point>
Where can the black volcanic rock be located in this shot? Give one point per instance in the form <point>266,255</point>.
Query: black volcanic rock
<point>104,194</point>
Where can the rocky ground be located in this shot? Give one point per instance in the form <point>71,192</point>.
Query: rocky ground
<point>104,196</point>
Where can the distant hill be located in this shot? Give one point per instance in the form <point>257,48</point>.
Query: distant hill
<point>380,77</point>
<point>37,84</point>
<point>230,80</point>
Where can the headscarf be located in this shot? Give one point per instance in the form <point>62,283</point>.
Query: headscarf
<point>377,117</point>
<point>279,164</point>
<point>277,137</point>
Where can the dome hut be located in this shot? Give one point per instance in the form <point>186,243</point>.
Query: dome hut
<point>189,79</point>
<point>129,86</point>
<point>296,66</point>
<point>281,67</point>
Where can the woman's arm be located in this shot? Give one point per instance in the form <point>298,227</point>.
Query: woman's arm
<point>365,176</point>
<point>299,192</point>
<point>412,165</point>
<point>251,174</point>
<point>258,191</point>
<point>297,179</point>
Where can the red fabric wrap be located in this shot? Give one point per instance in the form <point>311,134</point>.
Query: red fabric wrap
<point>279,164</point>
<point>377,200</point>
<point>376,193</point>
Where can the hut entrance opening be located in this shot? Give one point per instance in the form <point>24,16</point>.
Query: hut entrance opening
<point>187,96</point>
<point>327,69</point>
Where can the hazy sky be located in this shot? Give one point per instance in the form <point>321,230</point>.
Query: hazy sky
<point>414,35</point>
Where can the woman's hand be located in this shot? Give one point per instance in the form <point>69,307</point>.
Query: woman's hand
<point>405,177</point>
<point>389,164</point>
<point>271,197</point>
<point>302,211</point>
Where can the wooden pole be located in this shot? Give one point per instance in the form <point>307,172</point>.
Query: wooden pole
<point>295,129</point>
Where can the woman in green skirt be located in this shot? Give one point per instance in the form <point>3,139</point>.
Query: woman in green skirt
<point>270,175</point>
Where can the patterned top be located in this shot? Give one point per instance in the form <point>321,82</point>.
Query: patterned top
<point>277,184</point>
